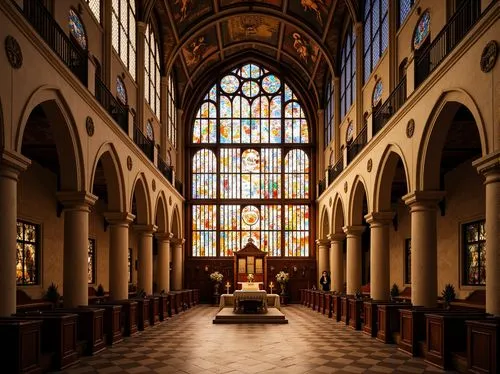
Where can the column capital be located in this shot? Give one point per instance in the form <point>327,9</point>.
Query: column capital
<point>178,241</point>
<point>337,237</point>
<point>141,27</point>
<point>76,199</point>
<point>164,236</point>
<point>322,242</point>
<point>146,229</point>
<point>489,166</point>
<point>353,230</point>
<point>379,218</point>
<point>119,218</point>
<point>423,200</point>
<point>12,163</point>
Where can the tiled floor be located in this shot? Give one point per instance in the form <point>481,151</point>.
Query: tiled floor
<point>309,343</point>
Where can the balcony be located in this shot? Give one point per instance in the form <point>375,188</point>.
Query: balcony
<point>395,101</point>
<point>166,170</point>
<point>335,170</point>
<point>179,186</point>
<point>357,145</point>
<point>70,54</point>
<point>146,145</point>
<point>455,30</point>
<point>111,105</point>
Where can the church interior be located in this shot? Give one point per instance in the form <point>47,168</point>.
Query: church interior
<point>179,173</point>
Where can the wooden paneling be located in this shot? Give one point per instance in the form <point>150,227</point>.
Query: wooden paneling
<point>483,344</point>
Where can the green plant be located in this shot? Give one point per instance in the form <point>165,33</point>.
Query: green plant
<point>448,294</point>
<point>52,294</point>
<point>100,290</point>
<point>394,290</point>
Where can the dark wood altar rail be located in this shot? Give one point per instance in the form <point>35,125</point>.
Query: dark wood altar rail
<point>483,345</point>
<point>388,320</point>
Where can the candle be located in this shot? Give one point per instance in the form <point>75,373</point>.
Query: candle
<point>228,285</point>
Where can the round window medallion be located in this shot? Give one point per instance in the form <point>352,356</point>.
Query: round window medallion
<point>13,52</point>
<point>369,165</point>
<point>89,125</point>
<point>129,163</point>
<point>410,128</point>
<point>153,185</point>
<point>330,202</point>
<point>489,56</point>
<point>345,186</point>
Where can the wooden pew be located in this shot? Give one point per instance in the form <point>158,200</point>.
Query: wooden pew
<point>344,309</point>
<point>128,315</point>
<point>142,313</point>
<point>446,333</point>
<point>24,303</point>
<point>412,328</point>
<point>302,296</point>
<point>163,307</point>
<point>154,310</point>
<point>355,313</point>
<point>22,354</point>
<point>483,345</point>
<point>196,296</point>
<point>112,323</point>
<point>388,320</point>
<point>328,304</point>
<point>336,307</point>
<point>370,325</point>
<point>321,302</point>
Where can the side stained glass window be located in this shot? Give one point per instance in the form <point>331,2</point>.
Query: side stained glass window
<point>347,72</point>
<point>376,33</point>
<point>123,32</point>
<point>95,7</point>
<point>171,113</point>
<point>422,30</point>
<point>474,242</point>
<point>404,10</point>
<point>152,76</point>
<point>329,112</point>
<point>77,30</point>
<point>251,151</point>
<point>91,261</point>
<point>27,253</point>
<point>121,91</point>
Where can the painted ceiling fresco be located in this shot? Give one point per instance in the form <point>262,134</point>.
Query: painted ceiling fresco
<point>301,36</point>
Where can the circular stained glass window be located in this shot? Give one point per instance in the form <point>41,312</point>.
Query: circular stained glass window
<point>149,131</point>
<point>229,84</point>
<point>250,215</point>
<point>121,91</point>
<point>349,135</point>
<point>250,161</point>
<point>377,93</point>
<point>422,30</point>
<point>250,89</point>
<point>271,84</point>
<point>77,30</point>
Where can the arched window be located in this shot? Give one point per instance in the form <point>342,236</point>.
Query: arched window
<point>376,33</point>
<point>171,113</point>
<point>123,32</point>
<point>329,112</point>
<point>121,91</point>
<point>250,171</point>
<point>77,30</point>
<point>152,72</point>
<point>347,71</point>
<point>404,10</point>
<point>95,7</point>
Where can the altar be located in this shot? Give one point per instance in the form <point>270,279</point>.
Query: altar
<point>228,301</point>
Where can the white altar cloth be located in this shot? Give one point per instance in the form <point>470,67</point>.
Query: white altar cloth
<point>227,300</point>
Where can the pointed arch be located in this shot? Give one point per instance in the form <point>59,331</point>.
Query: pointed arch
<point>385,175</point>
<point>435,133</point>
<point>161,213</point>
<point>338,215</point>
<point>65,133</point>
<point>113,172</point>
<point>142,196</point>
<point>176,227</point>
<point>324,223</point>
<point>358,192</point>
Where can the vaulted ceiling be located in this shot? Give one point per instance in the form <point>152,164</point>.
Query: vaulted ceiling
<point>200,38</point>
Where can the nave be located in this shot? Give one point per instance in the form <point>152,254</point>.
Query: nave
<point>310,343</point>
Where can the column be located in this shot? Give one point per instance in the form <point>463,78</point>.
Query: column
<point>145,258</point>
<point>11,165</point>
<point>76,242</point>
<point>489,166</point>
<point>118,253</point>
<point>164,261</point>
<point>423,207</point>
<point>323,258</point>
<point>177,264</point>
<point>337,261</point>
<point>379,254</point>
<point>353,235</point>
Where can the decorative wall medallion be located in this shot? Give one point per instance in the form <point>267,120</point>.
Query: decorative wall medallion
<point>153,185</point>
<point>129,163</point>
<point>369,165</point>
<point>330,202</point>
<point>345,186</point>
<point>489,56</point>
<point>410,128</point>
<point>377,93</point>
<point>13,52</point>
<point>170,200</point>
<point>89,125</point>
<point>422,30</point>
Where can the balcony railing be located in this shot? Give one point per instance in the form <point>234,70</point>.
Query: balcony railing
<point>146,145</point>
<point>335,170</point>
<point>357,145</point>
<point>395,101</point>
<point>70,54</point>
<point>166,170</point>
<point>179,187</point>
<point>457,27</point>
<point>111,105</point>
<point>321,186</point>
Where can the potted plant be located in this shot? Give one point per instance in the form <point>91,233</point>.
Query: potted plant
<point>282,278</point>
<point>394,291</point>
<point>448,295</point>
<point>52,294</point>
<point>100,290</point>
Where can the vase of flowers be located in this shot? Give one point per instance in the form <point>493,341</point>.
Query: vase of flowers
<point>217,278</point>
<point>282,278</point>
<point>250,278</point>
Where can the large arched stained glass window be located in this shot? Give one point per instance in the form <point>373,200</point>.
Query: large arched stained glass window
<point>152,76</point>
<point>347,72</point>
<point>123,32</point>
<point>171,112</point>
<point>376,33</point>
<point>250,167</point>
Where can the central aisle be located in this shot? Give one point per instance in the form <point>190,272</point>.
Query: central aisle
<point>310,343</point>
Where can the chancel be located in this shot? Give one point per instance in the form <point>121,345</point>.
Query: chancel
<point>168,167</point>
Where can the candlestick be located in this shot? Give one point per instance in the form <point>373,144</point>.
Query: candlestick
<point>271,286</point>
<point>228,286</point>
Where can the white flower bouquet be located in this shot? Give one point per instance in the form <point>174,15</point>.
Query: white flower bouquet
<point>282,277</point>
<point>216,276</point>
<point>250,278</point>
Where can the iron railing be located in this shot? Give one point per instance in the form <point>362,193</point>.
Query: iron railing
<point>146,145</point>
<point>335,170</point>
<point>179,186</point>
<point>321,187</point>
<point>357,145</point>
<point>457,27</point>
<point>111,104</point>
<point>166,170</point>
<point>74,57</point>
<point>395,101</point>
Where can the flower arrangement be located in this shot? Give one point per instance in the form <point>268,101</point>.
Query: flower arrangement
<point>282,277</point>
<point>216,276</point>
<point>250,278</point>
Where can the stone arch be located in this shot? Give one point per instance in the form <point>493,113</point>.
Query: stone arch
<point>435,133</point>
<point>324,226</point>
<point>358,192</point>
<point>113,172</point>
<point>65,133</point>
<point>161,213</point>
<point>338,215</point>
<point>385,175</point>
<point>143,200</point>
<point>176,228</point>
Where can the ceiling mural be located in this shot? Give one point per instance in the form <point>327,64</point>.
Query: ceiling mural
<point>272,3</point>
<point>186,12</point>
<point>250,27</point>
<point>198,48</point>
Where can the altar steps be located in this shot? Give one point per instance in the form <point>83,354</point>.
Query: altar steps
<point>273,315</point>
